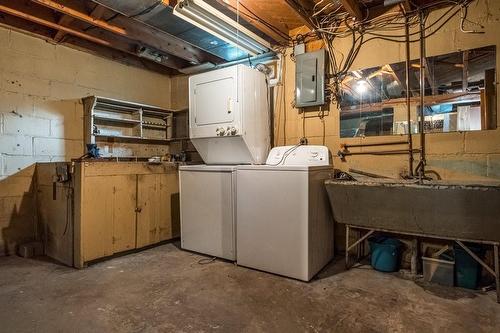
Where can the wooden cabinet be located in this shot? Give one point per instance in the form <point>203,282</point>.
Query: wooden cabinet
<point>108,222</point>
<point>118,206</point>
<point>156,195</point>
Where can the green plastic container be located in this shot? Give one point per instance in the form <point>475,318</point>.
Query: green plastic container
<point>467,269</point>
<point>385,253</point>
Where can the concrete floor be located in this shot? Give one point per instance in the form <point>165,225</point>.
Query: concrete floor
<point>165,289</point>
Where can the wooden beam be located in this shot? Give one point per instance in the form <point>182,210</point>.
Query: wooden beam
<point>52,25</point>
<point>125,45</point>
<point>465,71</point>
<point>64,20</point>
<point>429,75</point>
<point>81,16</point>
<point>96,13</point>
<point>304,9</point>
<point>169,3</point>
<point>406,6</point>
<point>352,7</point>
<point>248,11</point>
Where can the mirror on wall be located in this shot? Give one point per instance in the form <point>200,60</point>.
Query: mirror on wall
<point>459,88</point>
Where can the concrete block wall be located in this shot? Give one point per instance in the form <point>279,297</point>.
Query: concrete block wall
<point>41,116</point>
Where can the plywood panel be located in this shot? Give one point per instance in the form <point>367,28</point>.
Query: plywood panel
<point>147,210</point>
<point>168,185</point>
<point>97,217</point>
<point>125,168</point>
<point>124,219</point>
<point>55,218</point>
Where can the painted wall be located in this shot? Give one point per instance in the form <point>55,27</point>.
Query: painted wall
<point>41,116</point>
<point>454,156</point>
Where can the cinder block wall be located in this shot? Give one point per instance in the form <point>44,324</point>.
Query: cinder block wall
<point>41,85</point>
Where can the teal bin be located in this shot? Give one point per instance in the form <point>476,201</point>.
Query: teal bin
<point>385,253</point>
<point>467,269</point>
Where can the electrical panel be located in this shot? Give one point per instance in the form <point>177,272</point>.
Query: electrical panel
<point>310,79</point>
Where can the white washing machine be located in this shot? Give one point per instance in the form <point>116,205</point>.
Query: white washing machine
<point>284,225</point>
<point>208,203</point>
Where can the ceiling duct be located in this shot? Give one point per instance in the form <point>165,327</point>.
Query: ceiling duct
<point>157,14</point>
<point>133,8</point>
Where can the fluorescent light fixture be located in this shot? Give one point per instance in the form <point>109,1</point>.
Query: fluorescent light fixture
<point>205,17</point>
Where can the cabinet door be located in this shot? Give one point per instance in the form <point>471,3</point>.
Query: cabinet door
<point>108,215</point>
<point>124,219</point>
<point>147,210</point>
<point>97,217</point>
<point>168,223</point>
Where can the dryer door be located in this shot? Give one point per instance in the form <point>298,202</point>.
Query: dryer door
<point>213,103</point>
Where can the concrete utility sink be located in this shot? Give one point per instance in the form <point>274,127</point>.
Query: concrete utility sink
<point>437,208</point>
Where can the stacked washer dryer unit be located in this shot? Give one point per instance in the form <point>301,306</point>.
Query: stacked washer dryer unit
<point>229,126</point>
<point>284,221</point>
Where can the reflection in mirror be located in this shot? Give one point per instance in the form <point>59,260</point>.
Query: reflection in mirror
<point>459,89</point>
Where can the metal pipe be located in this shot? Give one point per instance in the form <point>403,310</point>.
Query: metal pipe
<point>408,99</point>
<point>422,162</point>
<point>368,174</point>
<point>342,154</point>
<point>209,66</point>
<point>374,144</point>
<point>255,59</point>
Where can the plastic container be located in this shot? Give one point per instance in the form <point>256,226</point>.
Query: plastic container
<point>439,271</point>
<point>467,269</point>
<point>385,253</point>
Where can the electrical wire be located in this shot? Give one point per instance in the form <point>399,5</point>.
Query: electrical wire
<point>206,261</point>
<point>286,154</point>
<point>330,23</point>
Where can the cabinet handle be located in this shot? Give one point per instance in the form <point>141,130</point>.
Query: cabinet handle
<point>138,209</point>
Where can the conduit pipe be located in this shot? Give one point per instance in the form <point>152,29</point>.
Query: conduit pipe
<point>372,144</point>
<point>421,164</point>
<point>408,98</point>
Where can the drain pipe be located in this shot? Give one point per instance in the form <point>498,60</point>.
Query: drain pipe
<point>421,164</point>
<point>408,98</point>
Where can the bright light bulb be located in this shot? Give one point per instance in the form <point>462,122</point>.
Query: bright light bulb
<point>361,86</point>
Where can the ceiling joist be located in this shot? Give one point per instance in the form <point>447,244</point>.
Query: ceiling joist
<point>304,9</point>
<point>262,21</point>
<point>96,13</point>
<point>65,21</point>
<point>353,8</point>
<point>50,24</point>
<point>81,16</point>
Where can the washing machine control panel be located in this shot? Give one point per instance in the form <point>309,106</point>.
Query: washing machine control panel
<point>304,155</point>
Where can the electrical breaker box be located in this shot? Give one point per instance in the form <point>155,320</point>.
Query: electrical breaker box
<point>310,79</point>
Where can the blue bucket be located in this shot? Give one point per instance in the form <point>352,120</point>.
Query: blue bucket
<point>385,253</point>
<point>467,269</point>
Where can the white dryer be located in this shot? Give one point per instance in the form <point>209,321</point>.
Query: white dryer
<point>284,225</point>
